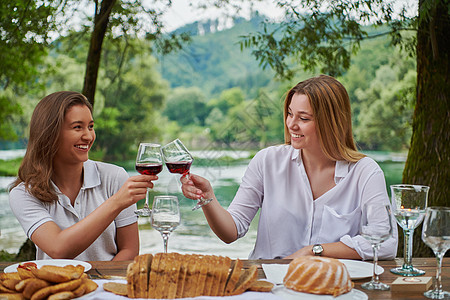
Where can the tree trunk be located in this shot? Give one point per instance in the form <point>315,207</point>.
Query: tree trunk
<point>428,160</point>
<point>101,20</point>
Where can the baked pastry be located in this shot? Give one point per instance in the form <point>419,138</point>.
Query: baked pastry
<point>318,275</point>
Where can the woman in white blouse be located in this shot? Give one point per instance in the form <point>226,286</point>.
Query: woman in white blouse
<point>310,190</point>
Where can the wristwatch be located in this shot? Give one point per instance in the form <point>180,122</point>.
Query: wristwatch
<point>317,249</point>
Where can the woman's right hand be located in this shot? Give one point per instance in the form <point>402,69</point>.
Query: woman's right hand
<point>133,190</point>
<point>195,187</point>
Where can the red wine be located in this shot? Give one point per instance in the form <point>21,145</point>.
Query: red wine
<point>149,169</point>
<point>180,167</point>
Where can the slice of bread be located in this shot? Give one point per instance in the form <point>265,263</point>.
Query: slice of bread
<point>193,272</point>
<point>235,274</point>
<point>182,275</point>
<point>225,270</point>
<point>130,280</point>
<point>172,276</point>
<point>144,262</point>
<point>261,286</point>
<point>154,272</point>
<point>245,280</point>
<point>116,288</point>
<point>212,266</point>
<point>200,286</point>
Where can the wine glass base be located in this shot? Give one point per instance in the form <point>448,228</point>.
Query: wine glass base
<point>410,272</point>
<point>433,294</point>
<point>372,285</point>
<point>201,203</point>
<point>143,212</point>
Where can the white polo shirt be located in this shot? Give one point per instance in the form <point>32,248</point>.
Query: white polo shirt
<point>290,219</point>
<point>101,181</point>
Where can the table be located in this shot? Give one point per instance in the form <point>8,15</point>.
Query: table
<point>111,268</point>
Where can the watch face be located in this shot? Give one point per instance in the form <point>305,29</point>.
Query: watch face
<point>317,249</point>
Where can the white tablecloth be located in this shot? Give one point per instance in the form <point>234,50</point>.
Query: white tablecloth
<point>102,294</point>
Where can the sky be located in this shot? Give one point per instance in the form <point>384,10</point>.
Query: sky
<point>181,13</point>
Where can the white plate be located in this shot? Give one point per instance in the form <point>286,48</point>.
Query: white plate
<point>289,294</point>
<point>51,262</point>
<point>360,269</point>
<point>356,268</point>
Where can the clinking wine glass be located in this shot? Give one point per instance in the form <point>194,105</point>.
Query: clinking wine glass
<point>165,216</point>
<point>408,204</point>
<point>148,162</point>
<point>436,235</point>
<point>376,227</point>
<point>179,160</point>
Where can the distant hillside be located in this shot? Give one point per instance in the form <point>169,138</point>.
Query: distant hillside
<point>214,60</point>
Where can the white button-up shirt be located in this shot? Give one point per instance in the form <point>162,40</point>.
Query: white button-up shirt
<point>290,219</point>
<point>101,181</point>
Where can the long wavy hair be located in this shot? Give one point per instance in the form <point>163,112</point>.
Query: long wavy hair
<point>332,113</point>
<point>46,122</point>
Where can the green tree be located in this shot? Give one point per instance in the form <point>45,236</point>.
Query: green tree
<point>122,20</point>
<point>385,109</point>
<point>187,106</point>
<point>24,35</point>
<point>130,93</point>
<point>330,31</point>
<point>132,108</point>
<point>228,98</point>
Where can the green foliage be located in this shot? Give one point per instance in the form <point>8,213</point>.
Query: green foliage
<point>10,167</point>
<point>5,256</point>
<point>214,61</point>
<point>386,107</point>
<point>320,35</point>
<point>24,27</point>
<point>228,99</point>
<point>186,106</point>
<point>132,109</point>
<point>10,108</point>
<point>135,104</point>
<point>24,30</point>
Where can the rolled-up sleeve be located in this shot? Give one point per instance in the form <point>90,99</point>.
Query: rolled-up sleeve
<point>374,191</point>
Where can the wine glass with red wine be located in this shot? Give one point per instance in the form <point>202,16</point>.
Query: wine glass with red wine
<point>148,162</point>
<point>179,160</point>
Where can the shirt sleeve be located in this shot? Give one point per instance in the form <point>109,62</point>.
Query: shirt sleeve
<point>374,190</point>
<point>29,211</point>
<point>249,196</point>
<point>126,216</point>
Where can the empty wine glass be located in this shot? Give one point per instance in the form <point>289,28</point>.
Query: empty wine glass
<point>165,216</point>
<point>148,162</point>
<point>376,227</point>
<point>436,235</point>
<point>408,204</point>
<point>179,160</point>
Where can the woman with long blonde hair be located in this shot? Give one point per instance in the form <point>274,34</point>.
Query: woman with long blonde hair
<point>311,190</point>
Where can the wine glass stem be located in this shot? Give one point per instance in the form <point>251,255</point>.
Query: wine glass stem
<point>407,255</point>
<point>165,237</point>
<point>146,199</point>
<point>375,277</point>
<point>438,284</point>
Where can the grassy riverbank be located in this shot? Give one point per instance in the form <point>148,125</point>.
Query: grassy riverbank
<point>10,167</point>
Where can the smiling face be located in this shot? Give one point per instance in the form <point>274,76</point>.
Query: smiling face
<point>76,137</point>
<point>301,124</point>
